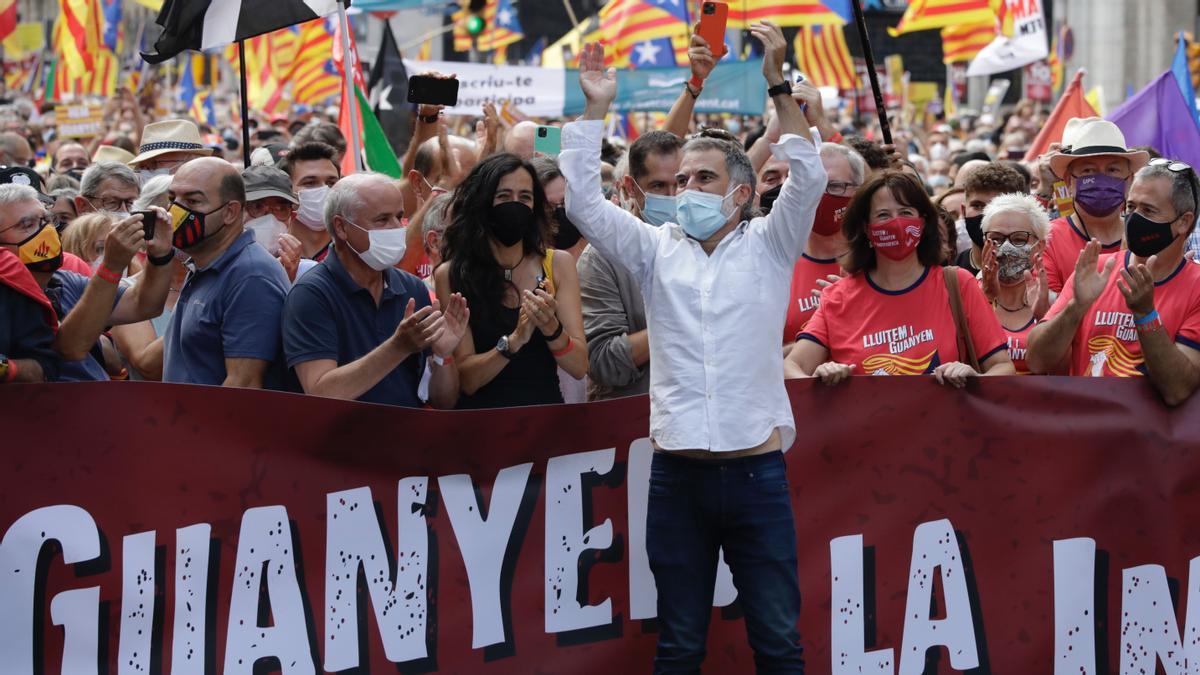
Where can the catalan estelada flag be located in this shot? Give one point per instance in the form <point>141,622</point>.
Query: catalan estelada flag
<point>501,27</point>
<point>962,43</point>
<point>77,35</point>
<point>625,24</point>
<point>824,58</point>
<point>927,14</point>
<point>743,13</point>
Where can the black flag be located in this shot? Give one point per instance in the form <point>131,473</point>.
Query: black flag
<point>202,24</point>
<point>388,84</point>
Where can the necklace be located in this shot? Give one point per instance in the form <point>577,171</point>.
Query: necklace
<point>1024,304</point>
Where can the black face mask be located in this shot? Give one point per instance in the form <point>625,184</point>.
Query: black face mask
<point>767,199</point>
<point>77,174</point>
<point>1147,237</point>
<point>975,229</point>
<point>189,225</point>
<point>568,235</point>
<point>510,222</point>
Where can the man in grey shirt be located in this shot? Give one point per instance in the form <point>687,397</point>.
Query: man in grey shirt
<point>614,315</point>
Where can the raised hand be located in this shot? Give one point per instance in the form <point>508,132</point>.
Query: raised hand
<point>1137,285</point>
<point>599,85</point>
<point>290,250</point>
<point>774,50</point>
<point>123,241</point>
<point>990,271</point>
<point>701,57</point>
<point>542,309</point>
<point>1037,287</point>
<point>1089,283</point>
<point>418,328</point>
<point>455,318</point>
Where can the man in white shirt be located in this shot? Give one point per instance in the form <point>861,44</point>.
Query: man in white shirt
<point>715,282</point>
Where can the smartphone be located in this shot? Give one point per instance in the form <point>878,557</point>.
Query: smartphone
<point>713,16</point>
<point>548,140</point>
<point>433,90</point>
<point>149,218</point>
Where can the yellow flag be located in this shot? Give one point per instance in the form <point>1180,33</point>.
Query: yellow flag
<point>1095,98</point>
<point>155,5</point>
<point>26,40</point>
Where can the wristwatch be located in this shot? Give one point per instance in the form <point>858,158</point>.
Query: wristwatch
<point>502,347</point>
<point>783,88</point>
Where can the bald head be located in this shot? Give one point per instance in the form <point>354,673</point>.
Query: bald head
<point>14,149</point>
<point>520,140</point>
<point>218,181</point>
<point>967,168</point>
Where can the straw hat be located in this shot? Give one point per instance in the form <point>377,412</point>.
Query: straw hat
<point>1094,137</point>
<point>159,138</point>
<point>111,153</point>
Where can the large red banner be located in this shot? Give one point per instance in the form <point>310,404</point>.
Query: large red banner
<point>1023,525</point>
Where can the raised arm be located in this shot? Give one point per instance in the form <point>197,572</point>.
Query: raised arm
<point>679,120</point>
<point>616,233</point>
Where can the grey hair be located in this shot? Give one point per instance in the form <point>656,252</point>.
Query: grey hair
<point>436,216</point>
<point>737,165</point>
<point>1183,200</point>
<point>621,169</point>
<point>12,194</point>
<point>858,165</point>
<point>154,189</point>
<point>345,199</point>
<point>1022,204</point>
<point>95,175</point>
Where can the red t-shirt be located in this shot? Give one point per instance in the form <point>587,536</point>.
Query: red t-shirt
<point>74,263</point>
<point>1066,242</point>
<point>908,332</point>
<point>1106,344</point>
<point>1018,345</point>
<point>802,303</point>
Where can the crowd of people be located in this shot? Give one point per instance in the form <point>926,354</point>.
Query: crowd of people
<point>145,252</point>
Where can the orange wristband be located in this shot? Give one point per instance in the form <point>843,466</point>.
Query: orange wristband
<point>564,350</point>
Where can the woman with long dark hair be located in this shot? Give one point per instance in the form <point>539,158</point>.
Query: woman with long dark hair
<point>526,319</point>
<point>899,312</point>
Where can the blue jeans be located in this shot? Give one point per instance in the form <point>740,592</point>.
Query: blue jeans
<point>743,505</point>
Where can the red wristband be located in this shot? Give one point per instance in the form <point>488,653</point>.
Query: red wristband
<point>837,137</point>
<point>696,82</point>
<point>564,350</point>
<point>108,275</point>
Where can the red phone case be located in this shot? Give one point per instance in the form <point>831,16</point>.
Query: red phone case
<point>712,26</point>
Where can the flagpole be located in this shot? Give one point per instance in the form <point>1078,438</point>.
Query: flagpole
<point>355,139</point>
<point>880,110</point>
<point>245,104</point>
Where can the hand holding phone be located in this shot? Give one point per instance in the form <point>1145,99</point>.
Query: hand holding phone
<point>433,90</point>
<point>149,219</point>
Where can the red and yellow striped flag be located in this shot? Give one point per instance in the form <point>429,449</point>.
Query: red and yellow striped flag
<point>625,24</point>
<point>77,35</point>
<point>742,13</point>
<point>962,43</point>
<point>927,14</point>
<point>824,58</point>
<point>314,76</point>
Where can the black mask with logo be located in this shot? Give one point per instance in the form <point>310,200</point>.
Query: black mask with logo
<point>1147,237</point>
<point>189,225</point>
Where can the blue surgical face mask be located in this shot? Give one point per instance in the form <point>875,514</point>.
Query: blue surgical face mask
<point>701,214</point>
<point>659,209</point>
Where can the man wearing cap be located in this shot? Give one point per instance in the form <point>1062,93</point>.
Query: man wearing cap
<point>20,175</point>
<point>270,204</point>
<point>167,145</point>
<point>1136,312</point>
<point>1097,168</point>
<point>225,329</point>
<point>83,306</point>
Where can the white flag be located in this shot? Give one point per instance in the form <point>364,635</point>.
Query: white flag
<point>1027,44</point>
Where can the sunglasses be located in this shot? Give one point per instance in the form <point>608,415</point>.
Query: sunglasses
<point>1179,167</point>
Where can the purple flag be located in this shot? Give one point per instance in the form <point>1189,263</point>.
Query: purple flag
<point>1158,116</point>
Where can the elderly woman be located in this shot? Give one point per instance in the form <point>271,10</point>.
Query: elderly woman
<point>1015,230</point>
<point>896,312</point>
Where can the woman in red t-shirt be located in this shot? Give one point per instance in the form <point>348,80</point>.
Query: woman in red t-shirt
<point>892,315</point>
<point>1015,230</point>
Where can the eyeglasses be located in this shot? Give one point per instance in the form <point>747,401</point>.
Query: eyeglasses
<point>29,224</point>
<point>110,203</point>
<point>839,188</point>
<point>1017,238</point>
<point>1179,167</point>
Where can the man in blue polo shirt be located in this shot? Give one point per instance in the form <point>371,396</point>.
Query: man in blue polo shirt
<point>355,327</point>
<point>225,329</point>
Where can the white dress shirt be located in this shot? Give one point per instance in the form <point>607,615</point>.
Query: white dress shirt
<point>716,370</point>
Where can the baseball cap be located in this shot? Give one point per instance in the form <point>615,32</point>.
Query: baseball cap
<point>20,175</point>
<point>267,181</point>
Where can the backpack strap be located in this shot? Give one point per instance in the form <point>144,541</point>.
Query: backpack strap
<point>965,345</point>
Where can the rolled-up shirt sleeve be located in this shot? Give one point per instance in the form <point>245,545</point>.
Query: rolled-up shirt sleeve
<point>787,227</point>
<point>606,324</point>
<point>618,235</point>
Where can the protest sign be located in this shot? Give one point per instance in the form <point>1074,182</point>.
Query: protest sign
<point>1022,525</point>
<point>80,120</point>
<point>733,87</point>
<point>538,92</point>
<point>1038,81</point>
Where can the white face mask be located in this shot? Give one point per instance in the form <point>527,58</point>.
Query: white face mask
<point>266,231</point>
<point>312,207</point>
<point>385,249</point>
